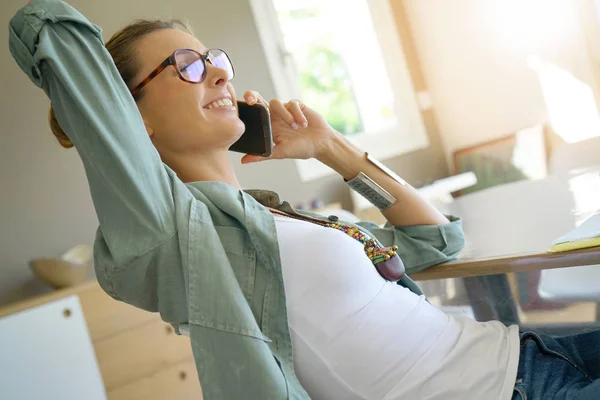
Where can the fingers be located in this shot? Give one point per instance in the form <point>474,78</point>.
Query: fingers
<point>279,108</point>
<point>291,112</point>
<point>251,158</point>
<point>252,97</point>
<point>295,108</point>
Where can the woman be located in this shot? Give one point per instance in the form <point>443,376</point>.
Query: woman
<point>177,234</point>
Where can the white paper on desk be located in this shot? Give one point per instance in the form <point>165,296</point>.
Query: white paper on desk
<point>588,230</point>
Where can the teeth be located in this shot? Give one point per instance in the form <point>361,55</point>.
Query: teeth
<point>220,103</point>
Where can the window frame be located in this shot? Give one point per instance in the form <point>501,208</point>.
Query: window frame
<point>407,136</point>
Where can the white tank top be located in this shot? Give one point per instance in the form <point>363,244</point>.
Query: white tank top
<point>357,336</point>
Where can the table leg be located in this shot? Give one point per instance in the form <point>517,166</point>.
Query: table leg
<point>491,299</point>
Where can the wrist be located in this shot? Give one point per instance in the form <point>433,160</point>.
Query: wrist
<point>339,154</point>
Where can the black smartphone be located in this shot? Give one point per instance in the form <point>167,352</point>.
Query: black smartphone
<point>258,137</point>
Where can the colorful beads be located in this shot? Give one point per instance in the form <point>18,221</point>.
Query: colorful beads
<point>374,253</point>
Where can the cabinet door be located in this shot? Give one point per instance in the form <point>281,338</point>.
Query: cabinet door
<point>46,353</point>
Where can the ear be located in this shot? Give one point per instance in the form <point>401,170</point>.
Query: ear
<point>149,129</point>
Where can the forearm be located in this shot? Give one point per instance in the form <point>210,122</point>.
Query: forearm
<point>128,182</point>
<point>410,208</point>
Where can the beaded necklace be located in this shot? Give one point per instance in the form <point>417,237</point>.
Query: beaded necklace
<point>385,259</point>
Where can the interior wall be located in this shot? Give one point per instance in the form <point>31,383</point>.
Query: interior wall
<point>45,203</point>
<point>474,55</point>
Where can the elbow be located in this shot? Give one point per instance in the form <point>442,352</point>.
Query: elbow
<point>455,244</point>
<point>454,237</point>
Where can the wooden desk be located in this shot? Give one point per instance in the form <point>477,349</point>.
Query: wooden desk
<point>509,228</point>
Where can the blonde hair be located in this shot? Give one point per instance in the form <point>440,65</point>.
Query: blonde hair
<point>121,48</point>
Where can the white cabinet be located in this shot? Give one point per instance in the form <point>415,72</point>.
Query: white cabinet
<point>46,353</point>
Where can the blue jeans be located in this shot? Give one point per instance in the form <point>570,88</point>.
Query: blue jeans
<point>559,368</point>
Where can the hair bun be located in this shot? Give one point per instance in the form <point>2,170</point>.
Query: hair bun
<point>58,131</point>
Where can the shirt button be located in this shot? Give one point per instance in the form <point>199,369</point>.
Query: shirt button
<point>333,218</point>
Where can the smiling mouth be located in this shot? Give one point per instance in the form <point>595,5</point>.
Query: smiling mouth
<point>219,103</point>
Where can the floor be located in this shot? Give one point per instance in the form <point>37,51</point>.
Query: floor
<point>449,296</point>
<point>571,313</point>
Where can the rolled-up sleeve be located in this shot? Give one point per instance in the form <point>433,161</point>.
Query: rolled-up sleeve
<point>422,246</point>
<point>63,53</point>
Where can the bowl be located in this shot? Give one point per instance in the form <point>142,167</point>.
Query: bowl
<point>71,269</point>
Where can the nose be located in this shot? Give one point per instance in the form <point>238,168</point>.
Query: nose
<point>215,76</point>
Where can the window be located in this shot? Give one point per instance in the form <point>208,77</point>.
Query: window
<point>344,59</point>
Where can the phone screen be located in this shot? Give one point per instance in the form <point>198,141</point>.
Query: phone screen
<point>257,138</point>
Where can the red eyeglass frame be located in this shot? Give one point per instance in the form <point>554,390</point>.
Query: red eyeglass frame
<point>171,60</point>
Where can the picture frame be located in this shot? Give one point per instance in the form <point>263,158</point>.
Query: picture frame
<point>519,156</point>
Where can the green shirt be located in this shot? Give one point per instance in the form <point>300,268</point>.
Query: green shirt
<point>203,254</point>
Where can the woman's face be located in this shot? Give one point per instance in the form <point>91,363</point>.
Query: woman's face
<point>175,112</point>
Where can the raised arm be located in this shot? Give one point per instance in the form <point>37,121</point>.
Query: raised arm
<point>63,53</point>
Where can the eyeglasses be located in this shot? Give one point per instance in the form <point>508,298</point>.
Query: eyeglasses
<point>191,66</point>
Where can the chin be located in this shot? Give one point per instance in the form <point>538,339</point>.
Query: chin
<point>239,127</point>
<point>231,131</point>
